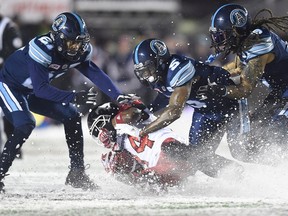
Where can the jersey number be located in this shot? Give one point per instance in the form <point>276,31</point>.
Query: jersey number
<point>139,146</point>
<point>45,40</point>
<point>174,64</point>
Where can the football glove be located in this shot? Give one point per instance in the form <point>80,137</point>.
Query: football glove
<point>212,89</point>
<point>130,100</point>
<point>85,97</point>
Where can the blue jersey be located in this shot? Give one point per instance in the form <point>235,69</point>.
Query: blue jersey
<point>182,69</point>
<point>275,72</point>
<point>32,68</point>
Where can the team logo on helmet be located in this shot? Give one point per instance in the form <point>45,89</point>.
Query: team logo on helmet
<point>59,22</point>
<point>238,17</point>
<point>158,47</point>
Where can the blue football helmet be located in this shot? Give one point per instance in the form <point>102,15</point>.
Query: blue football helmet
<point>151,59</point>
<point>230,24</point>
<point>70,35</point>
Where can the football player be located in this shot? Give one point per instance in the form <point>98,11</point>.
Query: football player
<point>10,40</point>
<point>177,78</point>
<point>25,86</point>
<point>261,54</point>
<point>156,161</point>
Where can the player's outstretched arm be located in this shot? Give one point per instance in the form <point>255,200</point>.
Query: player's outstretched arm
<point>170,113</point>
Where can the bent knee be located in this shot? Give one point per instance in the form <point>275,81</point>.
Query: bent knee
<point>25,129</point>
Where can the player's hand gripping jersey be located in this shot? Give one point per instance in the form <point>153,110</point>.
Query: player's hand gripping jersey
<point>157,158</point>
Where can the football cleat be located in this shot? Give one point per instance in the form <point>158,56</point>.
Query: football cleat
<point>77,178</point>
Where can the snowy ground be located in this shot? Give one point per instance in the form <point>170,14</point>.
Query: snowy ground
<point>36,187</point>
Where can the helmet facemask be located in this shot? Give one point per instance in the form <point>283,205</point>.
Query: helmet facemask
<point>151,58</point>
<point>77,46</point>
<point>102,123</point>
<point>147,72</point>
<point>100,120</point>
<point>71,49</point>
<point>223,41</point>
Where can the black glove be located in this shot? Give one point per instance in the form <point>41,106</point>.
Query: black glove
<point>85,97</point>
<point>213,90</point>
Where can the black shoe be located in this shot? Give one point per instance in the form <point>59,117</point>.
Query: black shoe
<point>77,178</point>
<point>2,187</point>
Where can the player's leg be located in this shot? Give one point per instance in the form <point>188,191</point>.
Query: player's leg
<point>174,164</point>
<point>206,133</point>
<point>68,115</point>
<point>16,111</point>
<point>8,130</point>
<point>203,127</point>
<point>24,123</point>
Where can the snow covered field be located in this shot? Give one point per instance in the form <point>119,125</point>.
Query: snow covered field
<point>36,186</point>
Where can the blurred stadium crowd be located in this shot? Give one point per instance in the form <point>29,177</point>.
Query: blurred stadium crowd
<point>117,26</point>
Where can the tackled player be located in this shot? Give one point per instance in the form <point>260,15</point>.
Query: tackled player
<point>155,161</point>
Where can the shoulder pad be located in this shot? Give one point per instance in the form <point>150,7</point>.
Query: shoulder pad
<point>181,70</point>
<point>263,44</point>
<point>262,32</point>
<point>89,52</point>
<point>40,50</point>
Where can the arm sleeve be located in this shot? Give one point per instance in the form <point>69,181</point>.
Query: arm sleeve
<point>99,78</point>
<point>42,87</point>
